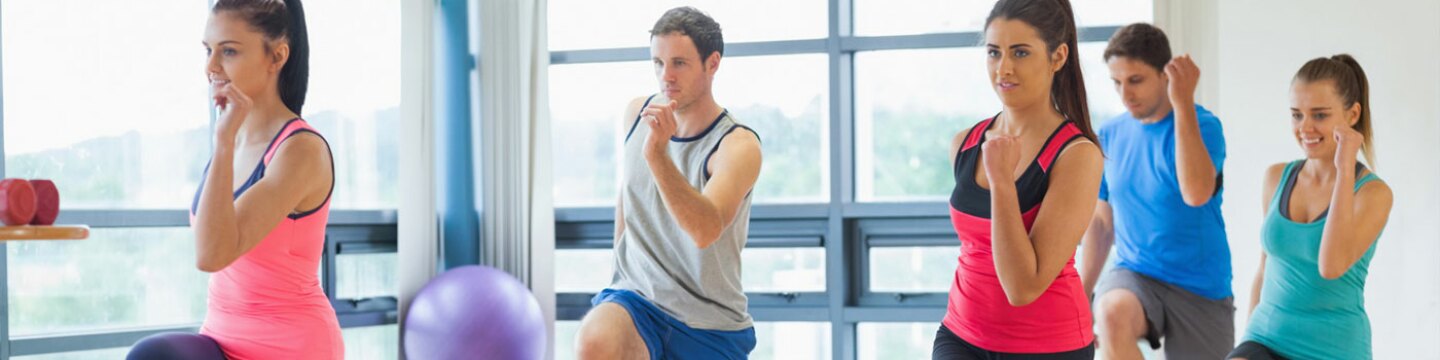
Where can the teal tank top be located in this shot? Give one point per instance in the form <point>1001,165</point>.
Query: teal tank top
<point>1302,315</point>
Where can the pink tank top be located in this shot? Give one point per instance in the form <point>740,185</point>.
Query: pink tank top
<point>268,304</point>
<point>979,312</point>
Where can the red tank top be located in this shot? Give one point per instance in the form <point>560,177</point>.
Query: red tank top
<point>979,312</point>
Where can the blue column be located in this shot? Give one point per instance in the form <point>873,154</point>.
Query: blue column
<point>459,220</point>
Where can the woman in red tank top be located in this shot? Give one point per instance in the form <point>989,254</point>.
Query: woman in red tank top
<point>1016,290</point>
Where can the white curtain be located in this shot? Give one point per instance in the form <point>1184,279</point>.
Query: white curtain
<point>517,213</point>
<point>418,231</point>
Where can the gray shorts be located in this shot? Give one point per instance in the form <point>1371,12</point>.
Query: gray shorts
<point>1193,326</point>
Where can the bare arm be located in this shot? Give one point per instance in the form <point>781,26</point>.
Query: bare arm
<point>626,121</point>
<point>706,215</point>
<point>227,228</point>
<point>1272,180</point>
<point>1355,218</point>
<point>1194,169</point>
<point>1256,285</point>
<point>1096,245</point>
<point>1027,263</point>
<point>734,167</point>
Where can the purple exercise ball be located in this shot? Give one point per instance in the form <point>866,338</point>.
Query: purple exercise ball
<point>475,312</point>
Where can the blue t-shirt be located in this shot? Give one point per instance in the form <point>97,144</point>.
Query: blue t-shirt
<point>1156,233</point>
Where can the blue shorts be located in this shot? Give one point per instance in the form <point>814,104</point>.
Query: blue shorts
<point>668,338</point>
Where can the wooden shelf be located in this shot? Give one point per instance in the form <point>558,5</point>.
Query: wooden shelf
<point>32,232</point>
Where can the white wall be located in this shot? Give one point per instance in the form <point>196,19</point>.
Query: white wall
<point>1261,44</point>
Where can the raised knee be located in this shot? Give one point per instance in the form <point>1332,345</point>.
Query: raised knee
<point>591,344</point>
<point>1118,313</point>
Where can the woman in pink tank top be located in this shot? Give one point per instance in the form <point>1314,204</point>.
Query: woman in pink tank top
<point>260,230</point>
<point>1016,293</point>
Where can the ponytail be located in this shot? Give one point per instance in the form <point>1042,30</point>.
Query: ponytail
<point>295,75</point>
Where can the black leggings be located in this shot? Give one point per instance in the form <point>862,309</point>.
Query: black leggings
<point>1251,350</point>
<point>951,347</point>
<point>176,346</point>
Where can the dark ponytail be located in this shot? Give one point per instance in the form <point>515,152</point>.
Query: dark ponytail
<point>1353,88</point>
<point>279,20</point>
<point>1055,21</point>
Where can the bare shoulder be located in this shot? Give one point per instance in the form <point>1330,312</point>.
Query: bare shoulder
<point>632,110</point>
<point>957,141</point>
<point>306,148</point>
<point>1082,150</point>
<point>1376,191</point>
<point>1273,174</point>
<point>741,144</point>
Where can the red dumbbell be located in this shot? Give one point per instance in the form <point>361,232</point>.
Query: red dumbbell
<point>47,202</point>
<point>17,202</point>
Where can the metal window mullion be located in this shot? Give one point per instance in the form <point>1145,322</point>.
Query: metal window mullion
<point>838,278</point>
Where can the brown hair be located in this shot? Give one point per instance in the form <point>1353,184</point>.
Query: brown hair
<point>1140,41</point>
<point>1351,84</point>
<point>279,19</point>
<point>689,21</point>
<point>1055,21</point>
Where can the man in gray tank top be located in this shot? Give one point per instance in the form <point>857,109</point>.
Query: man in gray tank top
<point>683,214</point>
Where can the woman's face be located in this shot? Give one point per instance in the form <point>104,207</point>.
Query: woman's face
<point>1020,67</point>
<point>238,54</point>
<point>1316,109</point>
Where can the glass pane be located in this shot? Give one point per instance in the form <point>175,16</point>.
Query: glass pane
<point>354,96</point>
<point>902,17</point>
<point>587,102</point>
<point>913,269</point>
<point>118,278</point>
<point>877,341</point>
<point>1104,101</point>
<point>372,342</point>
<point>102,354</point>
<point>95,147</point>
<point>791,340</point>
<point>1090,13</point>
<point>360,276</point>
<point>783,269</point>
<point>906,114</point>
<point>579,24</point>
<point>583,270</point>
<point>784,98</point>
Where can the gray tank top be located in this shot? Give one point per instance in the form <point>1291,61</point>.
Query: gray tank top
<point>658,260</point>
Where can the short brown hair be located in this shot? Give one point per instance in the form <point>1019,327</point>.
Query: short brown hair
<point>689,21</point>
<point>1140,41</point>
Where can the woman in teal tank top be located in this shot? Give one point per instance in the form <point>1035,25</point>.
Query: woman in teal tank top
<point>1321,225</point>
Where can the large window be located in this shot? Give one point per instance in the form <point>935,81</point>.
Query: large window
<point>580,24</point>
<point>110,100</point>
<point>855,102</point>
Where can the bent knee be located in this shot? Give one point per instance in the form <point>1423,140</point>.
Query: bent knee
<point>1121,312</point>
<point>604,333</point>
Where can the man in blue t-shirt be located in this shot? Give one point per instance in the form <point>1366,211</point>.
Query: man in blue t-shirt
<point>1160,208</point>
